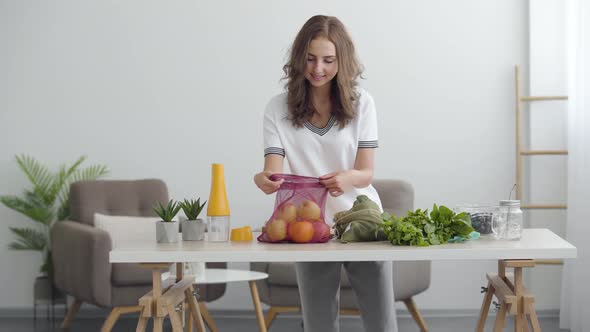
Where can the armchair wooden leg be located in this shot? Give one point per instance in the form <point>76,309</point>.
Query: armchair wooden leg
<point>71,313</point>
<point>411,305</point>
<point>111,320</point>
<point>271,314</point>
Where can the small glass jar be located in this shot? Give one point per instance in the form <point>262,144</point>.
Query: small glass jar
<point>507,221</point>
<point>218,228</point>
<point>481,217</point>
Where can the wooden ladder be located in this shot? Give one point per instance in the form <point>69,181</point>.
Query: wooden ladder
<point>520,153</point>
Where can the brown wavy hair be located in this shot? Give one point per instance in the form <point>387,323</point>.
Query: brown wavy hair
<point>343,95</point>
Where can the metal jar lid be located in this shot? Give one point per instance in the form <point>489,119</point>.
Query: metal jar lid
<point>510,202</point>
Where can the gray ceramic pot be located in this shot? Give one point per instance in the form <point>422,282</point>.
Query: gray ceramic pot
<point>166,232</point>
<point>193,230</point>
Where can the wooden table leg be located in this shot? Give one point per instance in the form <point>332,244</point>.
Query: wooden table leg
<point>174,319</point>
<point>189,322</point>
<point>179,276</point>
<point>534,320</point>
<point>257,306</point>
<point>500,318</point>
<point>514,298</point>
<point>156,293</point>
<point>519,319</point>
<point>195,312</point>
<point>142,323</point>
<point>485,308</point>
<point>158,321</point>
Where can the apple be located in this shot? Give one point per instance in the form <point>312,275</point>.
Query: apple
<point>276,230</point>
<point>288,212</point>
<point>321,232</point>
<point>309,210</point>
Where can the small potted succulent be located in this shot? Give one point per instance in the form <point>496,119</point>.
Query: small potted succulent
<point>193,229</point>
<point>167,229</point>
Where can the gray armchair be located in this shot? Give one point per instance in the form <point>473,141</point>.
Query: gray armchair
<point>280,292</point>
<point>81,251</point>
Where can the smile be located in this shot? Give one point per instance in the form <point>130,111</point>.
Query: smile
<point>317,77</point>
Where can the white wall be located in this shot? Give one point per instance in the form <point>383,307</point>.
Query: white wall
<point>163,90</point>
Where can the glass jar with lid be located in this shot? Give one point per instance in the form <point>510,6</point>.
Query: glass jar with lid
<point>507,221</point>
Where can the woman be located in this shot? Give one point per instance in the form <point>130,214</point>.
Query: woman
<point>326,126</point>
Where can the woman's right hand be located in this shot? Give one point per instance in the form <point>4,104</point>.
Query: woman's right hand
<point>265,184</point>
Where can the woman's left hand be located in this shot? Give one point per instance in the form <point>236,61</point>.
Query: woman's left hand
<point>337,182</point>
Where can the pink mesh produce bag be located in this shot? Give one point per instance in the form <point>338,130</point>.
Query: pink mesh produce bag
<point>298,214</point>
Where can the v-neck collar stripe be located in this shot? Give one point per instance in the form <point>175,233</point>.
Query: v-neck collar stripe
<point>321,131</point>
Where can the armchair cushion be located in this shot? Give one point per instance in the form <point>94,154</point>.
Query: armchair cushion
<point>122,229</point>
<point>119,198</point>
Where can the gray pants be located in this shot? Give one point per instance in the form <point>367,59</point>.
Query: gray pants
<point>319,288</point>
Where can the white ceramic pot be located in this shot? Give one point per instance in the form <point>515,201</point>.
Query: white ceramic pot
<point>193,230</point>
<point>166,232</point>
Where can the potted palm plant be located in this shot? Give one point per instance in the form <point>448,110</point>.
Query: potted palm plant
<point>193,229</point>
<point>45,203</point>
<point>167,229</point>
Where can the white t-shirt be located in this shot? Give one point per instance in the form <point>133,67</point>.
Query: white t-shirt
<point>312,151</point>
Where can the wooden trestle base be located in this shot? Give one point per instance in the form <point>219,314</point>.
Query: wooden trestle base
<point>513,298</point>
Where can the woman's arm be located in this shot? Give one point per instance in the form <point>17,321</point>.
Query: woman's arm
<point>360,176</point>
<point>273,163</point>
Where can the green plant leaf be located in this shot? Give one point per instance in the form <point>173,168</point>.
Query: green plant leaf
<point>168,212</point>
<point>39,175</point>
<point>30,208</point>
<point>192,208</point>
<point>74,174</point>
<point>47,266</point>
<point>60,181</point>
<point>40,202</point>
<point>28,239</point>
<point>63,211</point>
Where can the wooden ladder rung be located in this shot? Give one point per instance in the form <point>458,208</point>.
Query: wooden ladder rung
<point>542,98</point>
<point>549,261</point>
<point>519,263</point>
<point>543,207</point>
<point>543,152</point>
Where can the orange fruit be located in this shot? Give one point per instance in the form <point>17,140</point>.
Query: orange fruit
<point>301,231</point>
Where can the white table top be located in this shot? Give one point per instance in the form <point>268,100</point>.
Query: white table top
<point>535,244</point>
<point>221,276</point>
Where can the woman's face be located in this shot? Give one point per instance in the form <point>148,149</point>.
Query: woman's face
<point>322,64</point>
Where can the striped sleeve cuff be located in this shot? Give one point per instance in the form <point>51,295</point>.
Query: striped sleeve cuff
<point>368,144</point>
<point>274,150</point>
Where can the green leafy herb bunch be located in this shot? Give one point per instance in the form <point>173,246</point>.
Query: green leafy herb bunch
<point>419,228</point>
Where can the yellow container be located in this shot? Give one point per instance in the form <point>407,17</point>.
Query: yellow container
<point>241,234</point>
<point>218,205</point>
